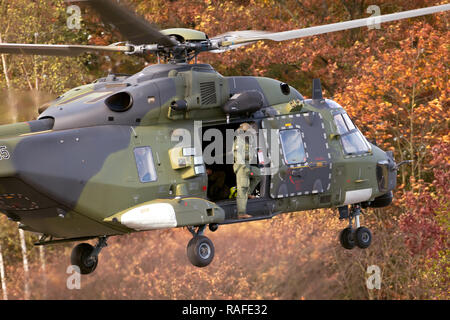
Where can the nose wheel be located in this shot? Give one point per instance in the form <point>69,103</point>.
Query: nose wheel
<point>363,237</point>
<point>359,236</point>
<point>346,238</point>
<point>200,249</point>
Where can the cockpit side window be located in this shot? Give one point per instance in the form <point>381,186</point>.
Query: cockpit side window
<point>354,143</point>
<point>352,140</point>
<point>145,164</point>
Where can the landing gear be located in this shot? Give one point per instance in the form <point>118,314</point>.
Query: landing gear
<point>200,249</point>
<point>346,238</point>
<point>85,256</point>
<point>361,236</point>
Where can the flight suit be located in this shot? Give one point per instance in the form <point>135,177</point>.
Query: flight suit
<point>247,175</point>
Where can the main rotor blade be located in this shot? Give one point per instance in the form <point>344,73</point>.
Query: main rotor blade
<point>235,35</point>
<point>135,29</point>
<point>58,49</point>
<point>233,39</point>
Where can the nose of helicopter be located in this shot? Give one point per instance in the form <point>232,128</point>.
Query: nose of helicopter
<point>387,172</point>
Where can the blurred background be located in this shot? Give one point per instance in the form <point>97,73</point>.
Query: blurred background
<point>392,81</point>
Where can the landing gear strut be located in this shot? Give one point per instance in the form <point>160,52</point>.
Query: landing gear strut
<point>85,256</point>
<point>361,236</point>
<point>200,250</point>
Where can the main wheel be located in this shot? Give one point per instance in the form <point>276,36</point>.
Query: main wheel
<point>80,256</point>
<point>346,238</point>
<point>200,251</point>
<point>363,237</point>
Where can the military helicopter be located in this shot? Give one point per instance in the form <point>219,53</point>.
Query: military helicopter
<point>101,160</point>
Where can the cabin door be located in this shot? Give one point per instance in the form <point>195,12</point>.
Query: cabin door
<point>301,159</point>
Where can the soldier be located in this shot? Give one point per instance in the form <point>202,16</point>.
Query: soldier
<point>247,176</point>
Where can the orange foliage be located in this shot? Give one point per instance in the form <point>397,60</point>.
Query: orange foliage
<point>290,257</point>
<point>400,95</point>
<point>253,261</point>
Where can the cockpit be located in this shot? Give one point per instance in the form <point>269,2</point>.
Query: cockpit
<point>353,142</point>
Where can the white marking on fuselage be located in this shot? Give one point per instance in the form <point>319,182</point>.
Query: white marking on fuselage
<point>356,196</point>
<point>150,216</point>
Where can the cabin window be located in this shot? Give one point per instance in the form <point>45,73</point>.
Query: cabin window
<point>292,144</point>
<point>145,165</point>
<point>352,140</point>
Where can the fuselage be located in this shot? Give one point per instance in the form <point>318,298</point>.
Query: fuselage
<point>67,173</point>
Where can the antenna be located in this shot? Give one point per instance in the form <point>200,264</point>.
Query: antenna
<point>317,90</point>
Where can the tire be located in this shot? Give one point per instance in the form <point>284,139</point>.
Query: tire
<point>79,258</point>
<point>346,238</point>
<point>200,251</point>
<point>363,237</point>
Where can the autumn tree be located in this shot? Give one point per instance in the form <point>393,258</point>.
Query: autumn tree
<point>41,21</point>
<point>399,95</point>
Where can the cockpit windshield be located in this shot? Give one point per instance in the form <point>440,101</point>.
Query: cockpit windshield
<point>353,141</point>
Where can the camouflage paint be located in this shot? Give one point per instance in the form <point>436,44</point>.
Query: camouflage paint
<point>75,176</point>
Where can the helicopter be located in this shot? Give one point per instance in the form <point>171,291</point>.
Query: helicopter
<point>116,156</point>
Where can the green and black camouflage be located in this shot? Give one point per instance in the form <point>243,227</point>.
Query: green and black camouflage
<point>72,173</point>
